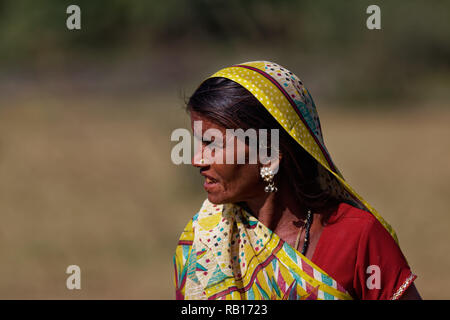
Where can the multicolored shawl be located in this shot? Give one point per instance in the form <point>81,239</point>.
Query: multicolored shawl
<point>225,252</point>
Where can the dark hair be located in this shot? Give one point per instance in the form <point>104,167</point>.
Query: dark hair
<point>230,105</point>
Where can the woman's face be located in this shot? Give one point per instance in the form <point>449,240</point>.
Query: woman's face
<point>225,182</point>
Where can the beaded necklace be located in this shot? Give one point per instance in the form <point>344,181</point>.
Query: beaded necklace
<point>307,226</point>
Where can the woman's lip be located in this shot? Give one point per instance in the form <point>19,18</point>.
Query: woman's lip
<point>210,185</point>
<point>209,177</point>
<point>209,180</point>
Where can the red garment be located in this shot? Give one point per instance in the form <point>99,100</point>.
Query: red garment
<point>353,240</point>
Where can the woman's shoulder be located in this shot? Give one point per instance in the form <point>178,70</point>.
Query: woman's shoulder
<point>206,218</point>
<point>347,215</point>
<point>187,236</point>
<point>356,228</point>
<point>352,244</point>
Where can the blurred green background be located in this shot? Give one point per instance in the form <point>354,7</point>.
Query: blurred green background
<point>86,116</point>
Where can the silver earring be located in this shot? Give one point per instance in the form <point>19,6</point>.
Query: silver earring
<point>267,175</point>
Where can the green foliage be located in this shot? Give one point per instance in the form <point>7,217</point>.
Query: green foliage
<point>414,40</point>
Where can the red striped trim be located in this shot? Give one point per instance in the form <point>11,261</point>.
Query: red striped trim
<point>179,286</point>
<point>313,293</point>
<point>267,76</point>
<point>309,287</point>
<point>185,242</point>
<point>176,273</point>
<point>307,269</point>
<point>340,287</point>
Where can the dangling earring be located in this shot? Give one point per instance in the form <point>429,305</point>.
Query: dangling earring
<point>267,175</point>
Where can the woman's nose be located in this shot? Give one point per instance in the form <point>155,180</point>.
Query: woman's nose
<point>198,160</point>
<point>201,163</point>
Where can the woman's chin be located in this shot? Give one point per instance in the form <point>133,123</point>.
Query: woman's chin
<point>216,199</point>
<point>219,198</point>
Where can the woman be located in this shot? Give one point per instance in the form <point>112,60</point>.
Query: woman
<point>288,229</point>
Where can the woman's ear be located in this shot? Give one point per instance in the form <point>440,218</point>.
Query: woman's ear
<point>272,163</point>
<point>275,165</point>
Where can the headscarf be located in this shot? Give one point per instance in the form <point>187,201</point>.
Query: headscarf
<point>283,94</point>
<point>225,252</point>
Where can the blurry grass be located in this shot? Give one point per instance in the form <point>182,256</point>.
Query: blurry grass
<point>90,182</point>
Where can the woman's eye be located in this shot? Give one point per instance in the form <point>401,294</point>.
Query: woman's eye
<point>209,142</point>
<point>214,143</point>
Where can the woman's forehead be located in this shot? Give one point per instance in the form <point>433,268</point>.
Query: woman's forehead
<point>205,122</point>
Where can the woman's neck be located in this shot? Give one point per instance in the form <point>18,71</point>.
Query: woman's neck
<point>279,210</point>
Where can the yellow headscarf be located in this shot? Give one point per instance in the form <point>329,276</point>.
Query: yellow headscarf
<point>283,94</point>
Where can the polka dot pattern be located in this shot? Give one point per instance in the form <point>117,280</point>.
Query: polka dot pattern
<point>235,236</point>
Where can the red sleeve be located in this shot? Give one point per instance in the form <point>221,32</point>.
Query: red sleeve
<point>381,270</point>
